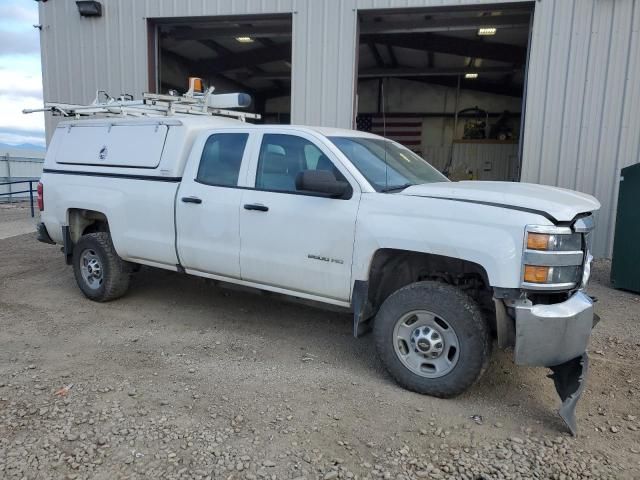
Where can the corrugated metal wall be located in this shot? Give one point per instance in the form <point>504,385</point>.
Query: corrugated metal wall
<point>583,93</point>
<point>81,55</point>
<point>582,123</point>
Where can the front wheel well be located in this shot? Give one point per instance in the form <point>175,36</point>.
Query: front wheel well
<point>392,269</point>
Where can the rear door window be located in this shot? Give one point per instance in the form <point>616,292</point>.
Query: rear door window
<point>221,159</point>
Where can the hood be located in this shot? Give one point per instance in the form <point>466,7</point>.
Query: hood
<point>561,204</point>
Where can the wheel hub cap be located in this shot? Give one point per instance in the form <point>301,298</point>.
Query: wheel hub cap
<point>426,340</point>
<point>91,269</point>
<point>426,344</point>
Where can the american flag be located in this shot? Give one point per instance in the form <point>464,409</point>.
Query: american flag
<point>404,130</point>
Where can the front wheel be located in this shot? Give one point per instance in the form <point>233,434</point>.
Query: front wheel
<point>432,338</point>
<point>100,273</point>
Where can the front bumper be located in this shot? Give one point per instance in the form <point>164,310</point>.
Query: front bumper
<point>549,335</point>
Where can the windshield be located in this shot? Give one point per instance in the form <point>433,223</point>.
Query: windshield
<point>387,165</point>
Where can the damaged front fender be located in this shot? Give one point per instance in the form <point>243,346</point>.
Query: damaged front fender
<point>569,379</point>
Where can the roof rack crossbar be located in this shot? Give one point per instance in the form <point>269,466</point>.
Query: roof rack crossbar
<point>153,105</point>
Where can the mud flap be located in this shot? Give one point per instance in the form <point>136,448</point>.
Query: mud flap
<point>570,380</point>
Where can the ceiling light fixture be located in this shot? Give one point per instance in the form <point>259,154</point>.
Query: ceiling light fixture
<point>487,31</point>
<point>244,39</point>
<point>470,75</point>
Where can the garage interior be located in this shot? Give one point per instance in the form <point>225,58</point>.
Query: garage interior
<point>449,84</point>
<point>249,54</point>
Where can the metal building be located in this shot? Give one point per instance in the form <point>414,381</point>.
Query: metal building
<point>580,83</point>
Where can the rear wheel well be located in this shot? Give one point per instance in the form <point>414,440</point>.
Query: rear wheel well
<point>82,222</point>
<point>393,269</point>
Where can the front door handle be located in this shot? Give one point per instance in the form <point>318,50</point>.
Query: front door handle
<point>256,206</point>
<point>191,200</point>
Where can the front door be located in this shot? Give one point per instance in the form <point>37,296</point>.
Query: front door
<point>293,239</point>
<point>207,205</point>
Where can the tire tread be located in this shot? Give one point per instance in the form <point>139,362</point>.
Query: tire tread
<point>116,270</point>
<point>448,296</point>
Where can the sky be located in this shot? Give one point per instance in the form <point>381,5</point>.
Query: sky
<point>20,73</point>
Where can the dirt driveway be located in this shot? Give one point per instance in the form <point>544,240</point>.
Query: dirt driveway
<point>182,379</point>
<point>15,219</point>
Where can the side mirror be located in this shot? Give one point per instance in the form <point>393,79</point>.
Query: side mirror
<point>323,182</point>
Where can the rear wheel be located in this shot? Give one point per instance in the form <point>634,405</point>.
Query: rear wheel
<point>100,273</point>
<point>432,338</point>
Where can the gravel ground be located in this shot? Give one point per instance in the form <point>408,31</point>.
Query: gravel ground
<point>183,379</point>
<point>15,219</point>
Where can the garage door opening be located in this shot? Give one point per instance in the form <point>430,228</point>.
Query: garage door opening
<point>249,54</point>
<point>448,83</point>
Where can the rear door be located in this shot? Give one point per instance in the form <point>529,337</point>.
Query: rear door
<point>291,239</point>
<point>208,203</point>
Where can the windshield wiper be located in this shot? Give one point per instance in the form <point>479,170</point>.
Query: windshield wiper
<point>393,188</point>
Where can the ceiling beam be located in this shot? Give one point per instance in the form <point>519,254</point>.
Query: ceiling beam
<point>403,72</point>
<point>474,85</point>
<point>215,46</point>
<point>194,68</point>
<point>267,42</point>
<point>431,42</point>
<point>392,55</point>
<point>270,31</point>
<point>224,51</point>
<point>438,114</point>
<point>197,69</point>
<point>429,72</point>
<point>376,54</point>
<point>249,58</point>
<point>445,24</point>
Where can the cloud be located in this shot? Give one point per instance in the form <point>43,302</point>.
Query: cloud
<point>20,83</point>
<point>16,12</point>
<point>17,35</point>
<point>16,42</point>
<point>20,77</point>
<point>19,90</point>
<point>12,118</point>
<point>10,138</point>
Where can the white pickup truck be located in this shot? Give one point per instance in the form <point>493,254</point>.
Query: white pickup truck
<point>437,269</point>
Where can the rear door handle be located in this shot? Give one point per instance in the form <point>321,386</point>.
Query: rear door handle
<point>191,200</point>
<point>256,206</point>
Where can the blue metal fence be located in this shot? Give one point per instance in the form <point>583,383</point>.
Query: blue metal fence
<point>30,191</point>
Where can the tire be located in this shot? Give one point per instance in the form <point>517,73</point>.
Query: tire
<point>416,348</point>
<point>100,273</point>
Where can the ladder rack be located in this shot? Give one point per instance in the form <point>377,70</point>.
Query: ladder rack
<point>155,105</point>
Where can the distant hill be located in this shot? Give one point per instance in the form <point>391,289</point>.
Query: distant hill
<point>21,146</point>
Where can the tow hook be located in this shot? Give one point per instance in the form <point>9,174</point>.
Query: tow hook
<point>570,379</point>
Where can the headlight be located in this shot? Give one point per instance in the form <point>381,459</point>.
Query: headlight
<point>553,258</point>
<point>554,242</point>
<point>551,275</point>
